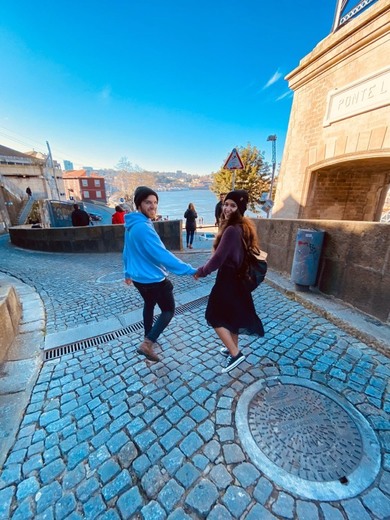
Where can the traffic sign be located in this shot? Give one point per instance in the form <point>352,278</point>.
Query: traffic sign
<point>233,162</point>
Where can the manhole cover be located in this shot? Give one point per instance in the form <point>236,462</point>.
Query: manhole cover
<point>307,439</point>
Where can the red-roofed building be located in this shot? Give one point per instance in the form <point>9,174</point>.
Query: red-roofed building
<point>84,185</point>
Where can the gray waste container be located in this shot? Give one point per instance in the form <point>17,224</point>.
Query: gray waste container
<point>307,254</point>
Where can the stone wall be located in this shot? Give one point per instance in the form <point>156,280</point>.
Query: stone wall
<point>354,264</point>
<point>10,313</point>
<point>88,239</point>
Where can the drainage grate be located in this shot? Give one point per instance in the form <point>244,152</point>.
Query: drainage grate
<point>109,336</point>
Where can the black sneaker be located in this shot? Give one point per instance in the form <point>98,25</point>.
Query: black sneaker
<point>232,362</point>
<point>224,351</point>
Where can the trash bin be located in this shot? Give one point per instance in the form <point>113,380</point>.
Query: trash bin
<point>306,258</point>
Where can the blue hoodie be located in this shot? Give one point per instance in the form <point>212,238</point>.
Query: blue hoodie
<point>145,257</point>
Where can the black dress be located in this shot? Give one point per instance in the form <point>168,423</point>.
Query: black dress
<point>230,305</point>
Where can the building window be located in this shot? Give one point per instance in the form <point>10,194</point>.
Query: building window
<point>98,194</point>
<point>86,194</point>
<point>84,182</point>
<point>97,182</point>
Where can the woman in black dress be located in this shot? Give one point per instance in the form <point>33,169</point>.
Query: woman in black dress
<point>230,309</point>
<point>190,215</point>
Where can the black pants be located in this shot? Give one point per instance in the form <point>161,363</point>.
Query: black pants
<point>160,293</point>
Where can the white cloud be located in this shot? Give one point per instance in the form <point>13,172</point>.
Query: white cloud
<point>286,94</point>
<point>273,79</point>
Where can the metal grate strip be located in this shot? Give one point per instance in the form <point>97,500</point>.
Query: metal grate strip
<point>95,341</point>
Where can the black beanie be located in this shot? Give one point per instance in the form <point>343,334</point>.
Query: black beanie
<point>240,197</point>
<point>142,193</point>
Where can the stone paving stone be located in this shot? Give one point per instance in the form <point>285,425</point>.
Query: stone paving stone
<point>130,502</point>
<point>202,497</point>
<point>24,511</point>
<point>284,506</point>
<point>233,453</point>
<point>65,506</point>
<point>236,500</point>
<point>120,483</point>
<point>226,434</point>
<point>179,514</point>
<point>153,511</point>
<point>10,475</point>
<point>51,471</point>
<point>141,465</point>
<point>258,512</point>
<point>377,503</point>
<point>6,495</point>
<point>330,512</point>
<point>246,474</point>
<point>263,490</point>
<point>354,509</point>
<point>73,477</point>
<point>170,495</point>
<point>306,511</point>
<point>94,507</point>
<point>219,512</point>
<point>187,475</point>
<point>191,444</point>
<point>152,481</point>
<point>170,439</point>
<point>220,476</point>
<point>48,496</point>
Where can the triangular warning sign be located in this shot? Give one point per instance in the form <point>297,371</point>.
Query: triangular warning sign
<point>233,161</point>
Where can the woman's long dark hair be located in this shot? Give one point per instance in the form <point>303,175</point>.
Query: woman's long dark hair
<point>248,230</point>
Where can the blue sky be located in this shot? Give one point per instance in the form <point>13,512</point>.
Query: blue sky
<point>172,85</point>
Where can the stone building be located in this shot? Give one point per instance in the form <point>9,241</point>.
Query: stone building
<point>336,163</point>
<point>19,171</point>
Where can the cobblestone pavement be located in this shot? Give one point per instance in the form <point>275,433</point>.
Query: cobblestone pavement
<point>111,436</point>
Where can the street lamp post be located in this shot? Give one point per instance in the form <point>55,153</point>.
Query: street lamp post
<point>272,138</point>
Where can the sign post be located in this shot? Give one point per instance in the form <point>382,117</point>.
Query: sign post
<point>233,162</point>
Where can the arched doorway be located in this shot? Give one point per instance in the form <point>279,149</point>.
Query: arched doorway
<point>353,189</point>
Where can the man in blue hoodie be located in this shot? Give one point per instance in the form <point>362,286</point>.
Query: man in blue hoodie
<point>147,262</point>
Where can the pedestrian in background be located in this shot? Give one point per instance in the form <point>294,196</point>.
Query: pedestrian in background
<point>28,191</point>
<point>119,216</point>
<point>79,217</point>
<point>218,208</point>
<point>190,215</point>
<point>230,309</point>
<point>146,265</point>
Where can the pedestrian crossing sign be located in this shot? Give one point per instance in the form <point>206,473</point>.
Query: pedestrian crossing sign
<point>233,162</point>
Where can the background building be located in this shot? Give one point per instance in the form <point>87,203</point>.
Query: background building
<point>336,163</point>
<point>85,186</point>
<point>68,165</point>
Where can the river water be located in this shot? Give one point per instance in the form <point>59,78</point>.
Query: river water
<point>173,204</point>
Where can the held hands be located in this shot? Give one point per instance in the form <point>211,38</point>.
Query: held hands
<point>197,275</point>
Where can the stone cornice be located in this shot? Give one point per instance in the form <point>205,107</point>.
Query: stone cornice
<point>355,35</point>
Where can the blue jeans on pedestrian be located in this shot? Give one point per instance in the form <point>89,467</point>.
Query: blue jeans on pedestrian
<point>160,293</point>
<point>190,236</point>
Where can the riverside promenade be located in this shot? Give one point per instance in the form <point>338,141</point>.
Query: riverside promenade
<point>92,430</point>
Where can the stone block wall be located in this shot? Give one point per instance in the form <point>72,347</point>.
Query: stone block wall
<point>88,239</point>
<point>354,264</point>
<point>10,313</point>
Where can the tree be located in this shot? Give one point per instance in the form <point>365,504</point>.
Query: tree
<point>127,178</point>
<point>254,178</point>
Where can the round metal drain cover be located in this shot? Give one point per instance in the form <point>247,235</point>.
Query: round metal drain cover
<point>307,439</point>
